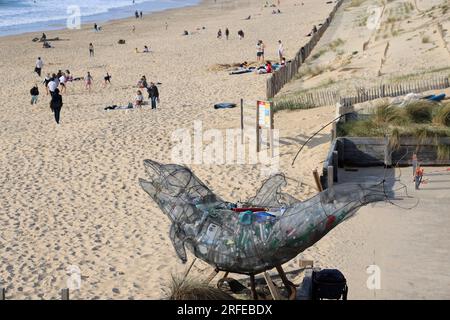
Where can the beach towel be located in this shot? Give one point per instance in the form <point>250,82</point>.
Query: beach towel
<point>437,98</point>
<point>241,71</point>
<point>224,105</point>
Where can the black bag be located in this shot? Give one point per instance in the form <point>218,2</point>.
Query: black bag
<point>329,284</point>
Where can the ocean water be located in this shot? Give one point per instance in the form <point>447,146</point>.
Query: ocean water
<point>19,16</point>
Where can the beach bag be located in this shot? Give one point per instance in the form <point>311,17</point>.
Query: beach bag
<point>329,284</point>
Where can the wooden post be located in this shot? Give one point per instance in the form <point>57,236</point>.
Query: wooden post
<point>387,153</point>
<point>330,181</point>
<point>242,121</point>
<point>272,288</point>
<point>288,284</point>
<point>65,294</point>
<point>334,131</point>
<point>257,128</point>
<point>317,180</point>
<point>271,130</point>
<point>212,275</point>
<point>335,166</point>
<point>252,287</point>
<point>341,149</point>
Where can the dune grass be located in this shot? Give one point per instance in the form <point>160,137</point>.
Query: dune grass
<point>192,289</point>
<point>421,119</point>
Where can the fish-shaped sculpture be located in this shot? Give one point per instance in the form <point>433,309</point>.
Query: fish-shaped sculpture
<point>248,242</point>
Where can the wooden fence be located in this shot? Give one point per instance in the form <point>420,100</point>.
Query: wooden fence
<point>285,74</point>
<point>396,90</point>
<point>318,98</point>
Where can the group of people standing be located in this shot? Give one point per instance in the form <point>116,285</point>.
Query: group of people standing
<point>152,90</point>
<point>260,49</point>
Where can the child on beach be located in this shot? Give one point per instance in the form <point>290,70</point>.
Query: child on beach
<point>138,101</point>
<point>240,34</point>
<point>88,81</point>
<point>219,34</point>
<point>39,65</point>
<point>91,50</point>
<point>34,94</point>
<point>418,176</point>
<point>227,33</point>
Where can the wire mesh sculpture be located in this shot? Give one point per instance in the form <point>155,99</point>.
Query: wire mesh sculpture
<point>273,229</point>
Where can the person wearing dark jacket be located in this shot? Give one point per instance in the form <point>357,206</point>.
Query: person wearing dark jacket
<point>153,94</point>
<point>56,104</point>
<point>34,94</point>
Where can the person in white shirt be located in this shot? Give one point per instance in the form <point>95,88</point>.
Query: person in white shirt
<point>39,65</point>
<point>62,82</point>
<point>52,85</point>
<point>280,50</point>
<point>139,100</point>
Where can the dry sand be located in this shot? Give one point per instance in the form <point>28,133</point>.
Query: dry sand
<point>70,193</point>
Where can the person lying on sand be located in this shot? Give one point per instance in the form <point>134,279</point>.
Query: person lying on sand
<point>267,68</point>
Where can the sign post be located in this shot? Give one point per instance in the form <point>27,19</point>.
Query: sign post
<point>264,119</point>
<point>242,121</point>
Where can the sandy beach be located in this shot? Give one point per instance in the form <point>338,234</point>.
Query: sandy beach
<point>70,193</point>
<point>70,196</point>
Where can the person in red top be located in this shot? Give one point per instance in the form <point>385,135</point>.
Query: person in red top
<point>419,176</point>
<point>268,67</point>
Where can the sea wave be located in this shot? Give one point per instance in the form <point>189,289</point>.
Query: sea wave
<point>21,12</point>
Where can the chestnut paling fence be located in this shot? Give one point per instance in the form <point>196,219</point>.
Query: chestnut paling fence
<point>285,74</point>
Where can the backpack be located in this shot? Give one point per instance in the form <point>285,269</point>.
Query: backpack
<point>329,284</point>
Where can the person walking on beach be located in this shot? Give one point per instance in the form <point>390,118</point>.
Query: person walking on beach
<point>140,14</point>
<point>136,14</point>
<point>240,34</point>
<point>260,51</point>
<point>280,50</point>
<point>91,50</point>
<point>107,79</point>
<point>62,82</point>
<point>167,25</point>
<point>34,94</point>
<point>227,33</point>
<point>153,94</point>
<point>56,104</point>
<point>88,81</point>
<point>418,176</point>
<point>46,81</point>
<point>219,34</point>
<point>39,65</point>
<point>53,84</point>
